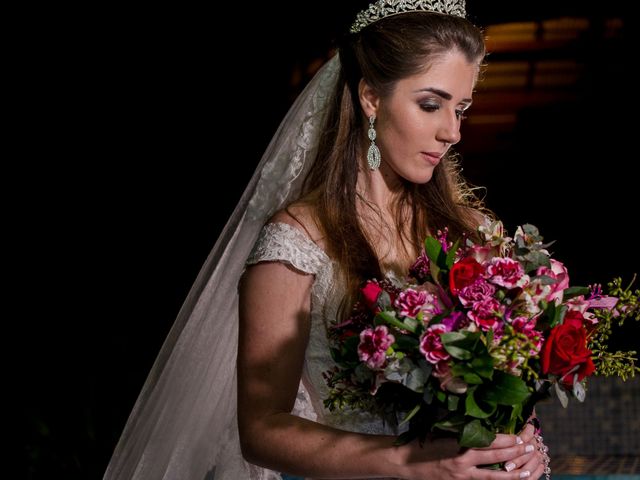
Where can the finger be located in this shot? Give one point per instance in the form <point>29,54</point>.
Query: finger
<point>498,455</point>
<point>503,440</point>
<point>484,474</point>
<point>535,471</point>
<point>527,432</point>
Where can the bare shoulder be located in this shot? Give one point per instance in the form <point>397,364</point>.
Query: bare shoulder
<point>301,216</point>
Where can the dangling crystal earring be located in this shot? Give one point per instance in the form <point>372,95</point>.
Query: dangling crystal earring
<point>373,154</point>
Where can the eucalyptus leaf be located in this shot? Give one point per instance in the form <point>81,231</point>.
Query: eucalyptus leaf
<point>562,395</point>
<point>416,379</point>
<point>578,389</point>
<point>537,259</point>
<point>544,280</point>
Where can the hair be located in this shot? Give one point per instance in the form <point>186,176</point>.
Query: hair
<point>383,53</point>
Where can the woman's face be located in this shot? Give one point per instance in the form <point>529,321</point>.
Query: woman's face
<point>418,122</point>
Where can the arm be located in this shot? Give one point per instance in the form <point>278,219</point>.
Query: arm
<point>274,330</point>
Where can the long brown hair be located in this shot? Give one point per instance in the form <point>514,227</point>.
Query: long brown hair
<point>383,53</point>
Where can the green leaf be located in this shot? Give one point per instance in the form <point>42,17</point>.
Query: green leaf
<point>472,378</point>
<point>474,435</point>
<point>474,409</point>
<point>459,369</point>
<point>537,259</point>
<point>390,319</point>
<point>406,342</point>
<point>457,352</point>
<point>433,249</point>
<point>460,344</point>
<point>441,396</point>
<point>416,379</point>
<point>451,255</point>
<point>452,402</point>
<point>483,366</point>
<point>505,389</point>
<point>466,340</point>
<point>411,414</point>
<point>453,423</point>
<point>574,292</point>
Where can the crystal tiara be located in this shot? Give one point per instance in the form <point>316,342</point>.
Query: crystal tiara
<point>386,8</point>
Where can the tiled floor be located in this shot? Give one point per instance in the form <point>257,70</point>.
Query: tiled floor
<point>616,466</point>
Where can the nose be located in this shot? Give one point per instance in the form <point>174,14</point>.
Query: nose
<point>449,131</point>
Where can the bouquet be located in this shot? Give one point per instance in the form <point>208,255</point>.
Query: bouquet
<point>478,333</point>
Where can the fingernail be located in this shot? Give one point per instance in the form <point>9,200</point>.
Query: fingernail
<point>509,466</point>
<point>528,449</point>
<point>525,474</point>
<point>518,440</point>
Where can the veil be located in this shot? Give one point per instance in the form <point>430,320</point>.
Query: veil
<point>184,423</point>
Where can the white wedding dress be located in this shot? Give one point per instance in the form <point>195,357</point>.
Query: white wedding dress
<point>284,243</point>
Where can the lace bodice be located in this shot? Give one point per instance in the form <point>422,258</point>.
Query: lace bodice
<point>285,243</point>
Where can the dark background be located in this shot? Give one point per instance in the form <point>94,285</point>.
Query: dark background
<point>138,121</point>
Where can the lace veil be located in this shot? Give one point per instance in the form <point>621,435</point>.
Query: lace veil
<point>184,423</point>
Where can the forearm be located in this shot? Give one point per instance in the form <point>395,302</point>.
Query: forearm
<point>290,444</point>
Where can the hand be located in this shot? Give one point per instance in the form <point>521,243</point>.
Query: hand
<point>537,461</point>
<point>441,459</point>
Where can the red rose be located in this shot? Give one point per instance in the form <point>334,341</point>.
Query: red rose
<point>566,348</point>
<point>370,292</point>
<point>463,274</point>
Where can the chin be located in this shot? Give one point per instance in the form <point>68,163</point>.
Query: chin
<point>421,177</point>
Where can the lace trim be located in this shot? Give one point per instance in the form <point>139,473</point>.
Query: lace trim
<point>282,242</point>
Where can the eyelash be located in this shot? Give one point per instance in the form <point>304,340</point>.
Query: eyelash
<point>430,107</point>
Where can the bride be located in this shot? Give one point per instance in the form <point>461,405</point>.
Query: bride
<point>358,174</point>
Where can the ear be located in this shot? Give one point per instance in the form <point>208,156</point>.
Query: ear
<point>369,99</point>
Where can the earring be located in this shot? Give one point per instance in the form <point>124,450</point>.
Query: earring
<point>373,154</point>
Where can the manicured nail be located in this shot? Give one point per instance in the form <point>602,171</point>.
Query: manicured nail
<point>525,474</point>
<point>509,466</point>
<point>528,449</point>
<point>519,441</point>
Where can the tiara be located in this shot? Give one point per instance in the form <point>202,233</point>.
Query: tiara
<point>386,8</point>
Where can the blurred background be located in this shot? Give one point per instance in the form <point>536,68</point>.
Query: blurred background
<point>144,125</point>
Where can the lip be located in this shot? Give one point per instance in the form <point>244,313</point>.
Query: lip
<point>432,157</point>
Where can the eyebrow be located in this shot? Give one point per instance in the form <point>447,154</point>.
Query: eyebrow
<point>443,94</point>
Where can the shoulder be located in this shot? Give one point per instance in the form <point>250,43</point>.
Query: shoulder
<point>301,216</point>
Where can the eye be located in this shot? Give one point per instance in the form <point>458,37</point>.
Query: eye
<point>460,114</point>
<point>430,107</point>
